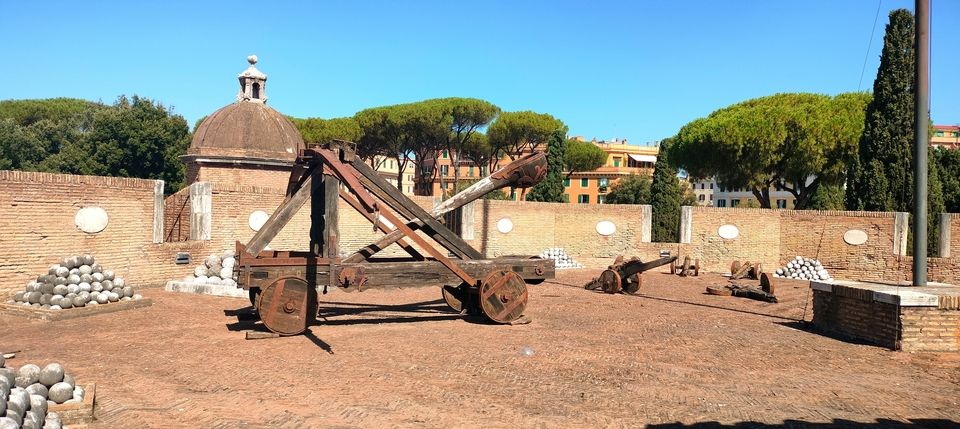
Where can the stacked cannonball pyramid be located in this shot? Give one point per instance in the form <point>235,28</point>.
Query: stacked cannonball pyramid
<point>77,281</point>
<point>560,258</point>
<point>216,270</point>
<point>27,393</point>
<point>803,269</point>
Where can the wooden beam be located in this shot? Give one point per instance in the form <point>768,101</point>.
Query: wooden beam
<point>394,198</point>
<point>331,218</point>
<point>280,217</point>
<point>371,217</point>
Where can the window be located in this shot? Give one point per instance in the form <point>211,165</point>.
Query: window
<point>711,197</point>
<point>616,162</point>
<point>391,163</point>
<point>601,199</point>
<point>584,182</point>
<point>583,199</point>
<point>603,182</point>
<point>781,204</point>
<point>693,186</point>
<point>444,169</point>
<point>444,154</point>
<point>938,133</point>
<point>702,198</point>
<point>566,182</point>
<point>471,171</point>
<point>711,186</point>
<point>703,186</point>
<point>734,202</point>
<point>721,203</point>
<point>443,186</point>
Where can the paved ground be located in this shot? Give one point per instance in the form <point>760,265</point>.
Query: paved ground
<point>399,359</point>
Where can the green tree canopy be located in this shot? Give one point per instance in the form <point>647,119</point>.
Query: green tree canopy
<point>634,189</point>
<point>319,131</point>
<point>516,133</point>
<point>550,189</point>
<point>798,141</point>
<point>583,156</point>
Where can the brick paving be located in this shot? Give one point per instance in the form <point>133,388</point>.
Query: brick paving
<point>399,359</point>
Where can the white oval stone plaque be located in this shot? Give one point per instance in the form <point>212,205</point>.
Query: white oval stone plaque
<point>257,219</point>
<point>91,219</point>
<point>605,227</point>
<point>505,225</point>
<point>728,232</point>
<point>855,237</point>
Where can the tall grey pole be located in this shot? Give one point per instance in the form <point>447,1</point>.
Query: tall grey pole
<point>922,111</point>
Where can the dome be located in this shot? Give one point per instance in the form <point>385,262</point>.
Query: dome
<point>247,130</point>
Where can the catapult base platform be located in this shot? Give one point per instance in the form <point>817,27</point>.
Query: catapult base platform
<point>20,310</point>
<point>898,317</point>
<point>78,412</point>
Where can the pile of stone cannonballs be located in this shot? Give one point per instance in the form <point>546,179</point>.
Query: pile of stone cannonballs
<point>216,270</point>
<point>803,269</point>
<point>77,281</point>
<point>560,258</point>
<point>27,393</point>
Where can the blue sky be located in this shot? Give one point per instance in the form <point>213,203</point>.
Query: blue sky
<point>632,69</point>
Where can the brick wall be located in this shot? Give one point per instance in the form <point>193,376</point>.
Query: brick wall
<point>851,313</point>
<point>758,240</point>
<point>264,177</point>
<point>930,329</point>
<point>38,228</point>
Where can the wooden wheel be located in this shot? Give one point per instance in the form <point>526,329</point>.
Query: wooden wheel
<point>696,268</point>
<point>453,297</point>
<point>633,284</point>
<point>503,296</point>
<point>734,267</point>
<point>610,281</point>
<point>288,306</point>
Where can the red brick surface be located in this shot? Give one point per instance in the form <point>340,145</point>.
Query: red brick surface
<point>398,359</point>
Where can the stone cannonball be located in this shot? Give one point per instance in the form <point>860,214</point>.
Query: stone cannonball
<point>86,278</point>
<point>74,262</point>
<point>56,307</point>
<point>84,287</point>
<point>38,403</point>
<point>4,388</point>
<point>103,298</point>
<point>27,375</point>
<point>108,274</point>
<point>37,389</point>
<point>66,303</point>
<point>34,297</point>
<point>60,290</point>
<point>3,408</point>
<point>226,273</point>
<point>229,254</point>
<point>51,374</point>
<point>229,262</point>
<point>113,296</point>
<point>59,281</point>
<point>73,288</point>
<point>68,378</point>
<point>18,297</point>
<point>70,295</point>
<point>96,268</point>
<point>53,269</point>
<point>80,301</point>
<point>74,272</point>
<point>107,285</point>
<point>137,296</point>
<point>52,424</point>
<point>73,279</point>
<point>200,271</point>
<point>96,287</point>
<point>45,299</point>
<point>10,422</point>
<point>62,271</point>
<point>47,288</point>
<point>30,422</point>
<point>10,375</point>
<point>118,282</point>
<point>127,291</point>
<point>97,277</point>
<point>212,260</point>
<point>87,259</point>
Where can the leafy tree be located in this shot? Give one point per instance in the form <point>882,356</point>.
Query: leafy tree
<point>28,112</point>
<point>948,163</point>
<point>319,131</point>
<point>551,188</point>
<point>465,117</point>
<point>478,150</point>
<point>583,156</point>
<point>798,141</point>
<point>633,189</point>
<point>517,133</point>
<point>667,195</point>
<point>827,197</point>
<point>19,150</point>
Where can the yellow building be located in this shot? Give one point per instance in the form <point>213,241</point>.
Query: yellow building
<point>623,159</point>
<point>389,167</point>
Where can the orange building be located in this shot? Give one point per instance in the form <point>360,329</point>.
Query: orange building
<point>945,136</point>
<point>623,159</point>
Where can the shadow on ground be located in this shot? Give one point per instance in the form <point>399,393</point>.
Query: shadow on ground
<point>836,423</point>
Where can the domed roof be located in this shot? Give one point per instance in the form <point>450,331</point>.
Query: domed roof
<point>247,128</point>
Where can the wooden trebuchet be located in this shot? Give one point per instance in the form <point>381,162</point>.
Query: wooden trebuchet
<point>526,171</point>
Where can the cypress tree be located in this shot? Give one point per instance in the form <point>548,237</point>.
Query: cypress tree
<point>550,189</point>
<point>881,180</point>
<point>665,197</point>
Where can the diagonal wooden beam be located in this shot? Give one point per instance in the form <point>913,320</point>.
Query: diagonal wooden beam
<point>373,219</point>
<point>281,216</point>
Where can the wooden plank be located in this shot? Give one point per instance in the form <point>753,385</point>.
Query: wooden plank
<point>331,217</point>
<point>392,196</point>
<point>428,273</point>
<point>280,217</point>
<point>360,255</point>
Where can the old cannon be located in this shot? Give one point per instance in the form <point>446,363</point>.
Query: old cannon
<point>284,285</point>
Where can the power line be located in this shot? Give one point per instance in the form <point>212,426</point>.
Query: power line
<point>869,45</point>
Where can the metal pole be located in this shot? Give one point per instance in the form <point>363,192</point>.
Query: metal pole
<point>922,111</point>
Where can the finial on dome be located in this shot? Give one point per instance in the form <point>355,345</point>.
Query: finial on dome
<point>252,59</point>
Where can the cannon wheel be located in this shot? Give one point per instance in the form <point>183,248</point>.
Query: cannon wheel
<point>633,284</point>
<point>535,281</point>
<point>610,281</point>
<point>288,305</point>
<point>453,296</point>
<point>503,296</point>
